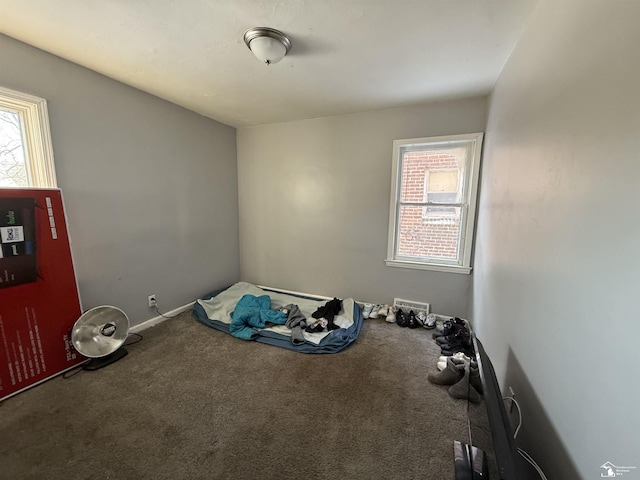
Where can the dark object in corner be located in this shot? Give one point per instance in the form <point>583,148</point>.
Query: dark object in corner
<point>329,311</point>
<point>97,363</point>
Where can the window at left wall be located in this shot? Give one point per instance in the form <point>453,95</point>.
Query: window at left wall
<point>26,155</point>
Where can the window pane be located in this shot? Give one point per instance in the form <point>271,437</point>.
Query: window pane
<point>431,171</point>
<point>426,237</point>
<point>13,169</point>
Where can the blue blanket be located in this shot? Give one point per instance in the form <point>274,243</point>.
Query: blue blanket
<point>253,312</point>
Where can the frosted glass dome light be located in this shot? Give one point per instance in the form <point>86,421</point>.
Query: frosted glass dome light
<point>267,44</point>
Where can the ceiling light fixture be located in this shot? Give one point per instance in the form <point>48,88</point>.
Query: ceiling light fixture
<point>267,44</point>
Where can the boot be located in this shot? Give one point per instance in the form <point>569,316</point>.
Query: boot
<point>450,375</point>
<point>463,390</point>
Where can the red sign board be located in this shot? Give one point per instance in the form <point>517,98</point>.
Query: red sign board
<point>39,301</point>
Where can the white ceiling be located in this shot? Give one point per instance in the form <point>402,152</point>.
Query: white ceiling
<point>347,55</point>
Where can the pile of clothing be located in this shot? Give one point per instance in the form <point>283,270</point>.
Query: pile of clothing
<point>255,312</point>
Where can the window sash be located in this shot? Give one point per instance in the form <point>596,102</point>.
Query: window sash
<point>468,189</point>
<point>458,261</point>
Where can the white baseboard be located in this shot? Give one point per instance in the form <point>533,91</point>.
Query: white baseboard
<point>310,295</point>
<point>152,322</point>
<point>292,292</point>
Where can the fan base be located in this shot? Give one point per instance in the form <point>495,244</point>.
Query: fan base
<point>97,363</point>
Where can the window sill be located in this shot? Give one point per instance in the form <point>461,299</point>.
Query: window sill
<point>429,266</point>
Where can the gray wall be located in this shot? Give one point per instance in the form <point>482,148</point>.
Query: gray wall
<point>314,204</point>
<point>557,264</point>
<point>150,188</point>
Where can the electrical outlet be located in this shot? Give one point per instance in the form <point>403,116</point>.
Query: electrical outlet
<point>513,397</point>
<point>152,301</point>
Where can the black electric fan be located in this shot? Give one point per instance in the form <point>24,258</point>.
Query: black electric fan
<point>99,334</point>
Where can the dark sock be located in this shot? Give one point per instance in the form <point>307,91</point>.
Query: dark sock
<point>317,328</point>
<point>328,310</point>
<point>320,312</point>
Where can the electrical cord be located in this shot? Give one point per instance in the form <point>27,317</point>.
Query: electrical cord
<point>74,371</point>
<point>515,402</point>
<point>522,453</point>
<point>78,368</point>
<point>171,316</point>
<point>528,458</point>
<point>138,340</point>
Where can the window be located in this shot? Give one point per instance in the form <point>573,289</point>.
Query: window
<point>26,156</point>
<point>433,202</point>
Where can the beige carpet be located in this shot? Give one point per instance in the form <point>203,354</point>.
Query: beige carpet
<point>190,402</point>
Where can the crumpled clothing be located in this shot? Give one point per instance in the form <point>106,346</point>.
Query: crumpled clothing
<point>329,310</point>
<point>317,325</point>
<point>251,313</point>
<point>296,321</point>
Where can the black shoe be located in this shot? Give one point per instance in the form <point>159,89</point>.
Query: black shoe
<point>447,329</point>
<point>401,318</point>
<point>459,338</point>
<point>413,320</point>
<point>445,339</point>
<point>460,342</point>
<point>468,351</point>
<point>455,329</point>
<point>451,326</point>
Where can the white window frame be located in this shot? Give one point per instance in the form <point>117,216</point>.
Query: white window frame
<point>36,135</point>
<point>468,203</point>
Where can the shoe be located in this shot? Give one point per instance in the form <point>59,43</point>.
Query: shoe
<point>450,351</point>
<point>366,311</point>
<point>401,318</point>
<point>450,375</point>
<point>391,315</point>
<point>447,324</point>
<point>463,390</point>
<point>461,337</point>
<point>447,329</point>
<point>455,347</point>
<point>455,330</point>
<point>457,356</point>
<point>451,338</point>
<point>430,321</point>
<point>412,320</point>
<point>374,311</point>
<point>422,318</point>
<point>441,325</point>
<point>442,361</point>
<point>460,324</point>
<point>383,311</point>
